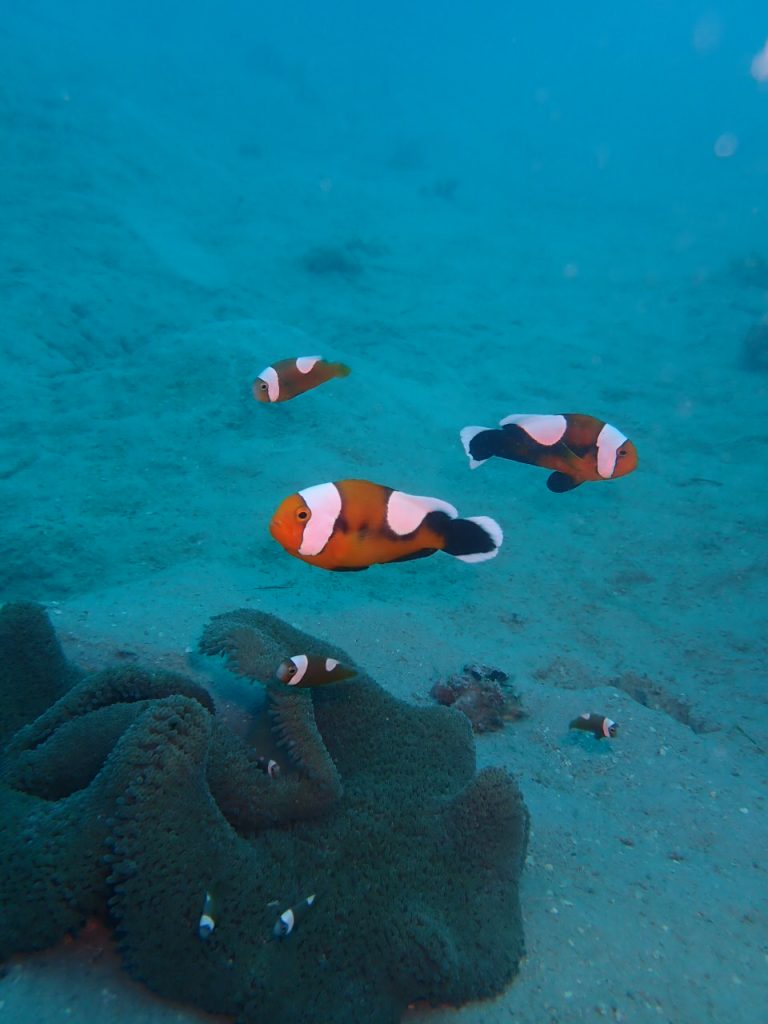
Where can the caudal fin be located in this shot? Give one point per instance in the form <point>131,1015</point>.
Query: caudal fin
<point>342,370</point>
<point>478,445</point>
<point>475,539</point>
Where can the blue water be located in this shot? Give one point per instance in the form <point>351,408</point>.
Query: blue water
<point>483,209</point>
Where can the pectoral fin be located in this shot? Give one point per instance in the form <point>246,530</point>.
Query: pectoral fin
<point>561,482</point>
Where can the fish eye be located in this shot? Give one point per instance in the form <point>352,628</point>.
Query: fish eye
<point>262,385</point>
<point>302,514</point>
<point>291,671</point>
<point>622,451</point>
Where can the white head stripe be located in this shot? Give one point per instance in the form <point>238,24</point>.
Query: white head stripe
<point>288,920</point>
<point>405,512</point>
<point>300,661</point>
<point>609,440</point>
<point>607,726</point>
<point>305,363</point>
<point>270,378</point>
<point>206,924</point>
<point>330,664</point>
<point>543,429</point>
<point>324,502</point>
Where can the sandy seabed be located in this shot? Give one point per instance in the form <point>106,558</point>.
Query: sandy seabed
<point>147,281</point>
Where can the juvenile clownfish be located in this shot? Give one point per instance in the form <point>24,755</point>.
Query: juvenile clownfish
<point>600,726</point>
<point>312,670</point>
<point>290,377</point>
<point>352,524</point>
<point>578,448</point>
<point>268,766</point>
<point>291,917</point>
<point>207,922</point>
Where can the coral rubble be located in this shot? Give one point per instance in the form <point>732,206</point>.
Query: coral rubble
<point>482,694</point>
<point>126,797</point>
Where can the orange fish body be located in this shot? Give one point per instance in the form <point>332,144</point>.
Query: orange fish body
<point>288,378</point>
<point>352,524</point>
<point>576,447</point>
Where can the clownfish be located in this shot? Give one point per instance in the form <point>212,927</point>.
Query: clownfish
<point>577,447</point>
<point>312,670</point>
<point>352,524</point>
<point>600,726</point>
<point>290,377</point>
<point>207,922</point>
<point>268,766</point>
<point>291,917</point>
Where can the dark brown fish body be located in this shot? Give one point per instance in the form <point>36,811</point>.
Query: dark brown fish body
<point>576,447</point>
<point>600,726</point>
<point>312,670</point>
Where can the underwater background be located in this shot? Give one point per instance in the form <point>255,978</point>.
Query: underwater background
<point>483,209</point>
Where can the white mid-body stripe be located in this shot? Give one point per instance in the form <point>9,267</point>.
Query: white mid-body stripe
<point>330,664</point>
<point>324,502</point>
<point>406,512</point>
<point>300,661</point>
<point>543,429</point>
<point>305,363</point>
<point>609,440</point>
<point>270,378</point>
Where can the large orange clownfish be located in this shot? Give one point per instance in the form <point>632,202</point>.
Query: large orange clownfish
<point>290,377</point>
<point>351,524</point>
<point>578,448</point>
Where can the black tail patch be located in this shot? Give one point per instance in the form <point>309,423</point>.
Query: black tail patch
<point>485,444</point>
<point>475,539</point>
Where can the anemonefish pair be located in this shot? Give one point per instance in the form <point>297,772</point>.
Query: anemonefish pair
<point>600,726</point>
<point>352,524</point>
<point>312,670</point>
<point>290,377</point>
<point>578,448</point>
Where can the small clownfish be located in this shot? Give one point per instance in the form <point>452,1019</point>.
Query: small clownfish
<point>207,922</point>
<point>290,377</point>
<point>352,524</point>
<point>578,448</point>
<point>600,726</point>
<point>291,917</point>
<point>312,670</point>
<point>268,766</point>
